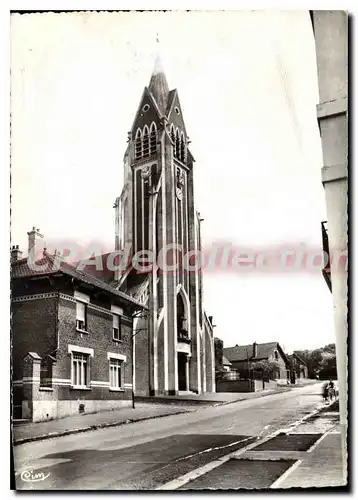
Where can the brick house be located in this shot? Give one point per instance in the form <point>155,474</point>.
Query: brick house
<point>71,340</point>
<point>299,367</point>
<point>244,357</point>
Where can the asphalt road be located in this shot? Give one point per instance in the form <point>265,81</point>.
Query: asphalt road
<point>148,454</point>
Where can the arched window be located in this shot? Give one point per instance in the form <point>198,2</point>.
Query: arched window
<point>177,144</point>
<point>182,148</point>
<point>153,138</point>
<point>172,135</point>
<point>145,141</point>
<point>276,355</point>
<point>181,319</point>
<point>138,144</point>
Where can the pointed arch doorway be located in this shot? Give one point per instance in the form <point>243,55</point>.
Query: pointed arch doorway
<point>183,344</point>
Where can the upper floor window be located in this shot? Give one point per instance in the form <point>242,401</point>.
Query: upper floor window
<point>117,334</point>
<point>81,316</point>
<point>145,143</point>
<point>276,355</point>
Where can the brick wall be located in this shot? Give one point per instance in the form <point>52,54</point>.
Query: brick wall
<point>141,358</point>
<point>33,329</point>
<point>100,339</point>
<point>281,364</point>
<point>47,325</point>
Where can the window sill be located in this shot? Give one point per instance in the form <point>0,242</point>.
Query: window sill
<point>46,389</point>
<point>81,331</point>
<point>79,388</point>
<point>117,340</point>
<point>116,389</point>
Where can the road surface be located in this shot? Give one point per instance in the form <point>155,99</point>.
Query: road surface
<point>146,455</point>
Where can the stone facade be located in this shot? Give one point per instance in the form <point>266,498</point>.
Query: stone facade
<point>176,352</point>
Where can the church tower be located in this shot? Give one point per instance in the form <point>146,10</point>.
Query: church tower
<point>174,346</point>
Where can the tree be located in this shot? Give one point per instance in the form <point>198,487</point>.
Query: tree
<point>329,366</point>
<point>320,361</point>
<point>267,369</point>
<point>313,359</point>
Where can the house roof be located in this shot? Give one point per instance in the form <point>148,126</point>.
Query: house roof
<point>226,361</point>
<point>299,359</point>
<point>21,269</point>
<point>244,352</point>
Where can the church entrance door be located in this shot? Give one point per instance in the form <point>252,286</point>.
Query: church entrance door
<point>182,375</point>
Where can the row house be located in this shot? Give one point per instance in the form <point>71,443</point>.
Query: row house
<point>71,339</point>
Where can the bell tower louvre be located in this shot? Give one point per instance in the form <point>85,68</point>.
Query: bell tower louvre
<point>174,346</point>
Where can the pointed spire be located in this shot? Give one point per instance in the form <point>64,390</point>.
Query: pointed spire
<point>158,85</point>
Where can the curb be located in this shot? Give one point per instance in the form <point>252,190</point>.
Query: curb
<point>51,435</point>
<point>186,478</point>
<point>95,427</point>
<point>272,392</point>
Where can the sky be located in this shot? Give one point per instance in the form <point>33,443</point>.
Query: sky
<point>248,90</point>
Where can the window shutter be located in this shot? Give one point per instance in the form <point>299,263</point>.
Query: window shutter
<point>80,311</point>
<point>115,321</point>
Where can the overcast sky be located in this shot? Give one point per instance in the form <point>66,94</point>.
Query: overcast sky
<point>248,89</point>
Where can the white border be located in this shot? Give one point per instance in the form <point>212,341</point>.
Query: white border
<point>84,350</point>
<point>114,355</point>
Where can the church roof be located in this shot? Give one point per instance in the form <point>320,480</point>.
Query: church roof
<point>158,86</point>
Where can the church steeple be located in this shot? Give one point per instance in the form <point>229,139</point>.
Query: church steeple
<point>158,86</point>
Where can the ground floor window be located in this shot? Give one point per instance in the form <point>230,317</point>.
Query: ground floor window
<point>115,373</point>
<point>80,369</point>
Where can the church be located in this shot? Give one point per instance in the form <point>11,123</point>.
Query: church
<point>173,341</point>
<point>87,338</point>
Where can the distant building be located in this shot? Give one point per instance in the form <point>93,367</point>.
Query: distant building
<point>227,366</point>
<point>243,358</point>
<point>299,368</point>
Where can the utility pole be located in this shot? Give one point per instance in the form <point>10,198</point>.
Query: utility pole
<point>136,314</point>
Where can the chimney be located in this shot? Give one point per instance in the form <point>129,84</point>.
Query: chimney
<point>254,349</point>
<point>16,253</point>
<point>35,244</point>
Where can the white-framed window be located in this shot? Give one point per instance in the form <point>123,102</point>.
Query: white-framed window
<point>117,335</point>
<point>81,316</point>
<point>80,370</point>
<point>115,373</point>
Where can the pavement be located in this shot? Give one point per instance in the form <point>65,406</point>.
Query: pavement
<point>36,431</point>
<point>217,397</point>
<point>159,453</point>
<point>307,454</point>
<point>145,409</point>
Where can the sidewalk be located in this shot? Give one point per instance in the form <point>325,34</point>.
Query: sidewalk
<point>322,465</point>
<point>145,409</point>
<point>35,431</point>
<point>212,398</point>
<point>320,468</point>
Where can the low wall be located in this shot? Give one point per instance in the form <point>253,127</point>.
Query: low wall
<point>244,385</point>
